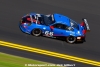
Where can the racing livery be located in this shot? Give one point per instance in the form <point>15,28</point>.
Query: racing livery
<point>54,26</point>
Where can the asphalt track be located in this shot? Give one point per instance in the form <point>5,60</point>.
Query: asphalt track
<point>11,11</point>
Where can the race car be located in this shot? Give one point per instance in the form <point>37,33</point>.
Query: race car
<point>54,26</point>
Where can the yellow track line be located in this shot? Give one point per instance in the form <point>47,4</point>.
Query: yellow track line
<point>49,53</point>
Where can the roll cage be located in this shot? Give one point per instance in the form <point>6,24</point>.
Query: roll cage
<point>43,19</point>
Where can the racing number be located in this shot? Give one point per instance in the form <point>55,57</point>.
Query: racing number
<point>48,33</point>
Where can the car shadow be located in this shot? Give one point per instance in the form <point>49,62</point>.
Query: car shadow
<point>64,40</point>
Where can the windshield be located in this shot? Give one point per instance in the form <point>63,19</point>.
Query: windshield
<point>46,20</point>
<point>26,19</point>
<point>74,24</point>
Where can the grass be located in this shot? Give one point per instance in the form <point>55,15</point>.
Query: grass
<point>7,60</point>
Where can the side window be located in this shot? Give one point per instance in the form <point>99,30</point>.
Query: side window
<point>60,26</point>
<point>26,19</point>
<point>65,27</point>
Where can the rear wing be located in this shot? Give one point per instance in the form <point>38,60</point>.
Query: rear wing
<point>86,24</point>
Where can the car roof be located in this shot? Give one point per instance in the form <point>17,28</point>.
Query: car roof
<point>61,19</point>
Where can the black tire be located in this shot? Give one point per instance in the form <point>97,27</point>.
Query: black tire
<point>71,39</point>
<point>36,32</point>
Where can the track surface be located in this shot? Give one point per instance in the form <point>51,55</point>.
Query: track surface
<point>41,57</point>
<point>11,12</point>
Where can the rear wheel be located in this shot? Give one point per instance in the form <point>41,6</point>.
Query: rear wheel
<point>71,39</point>
<point>36,32</point>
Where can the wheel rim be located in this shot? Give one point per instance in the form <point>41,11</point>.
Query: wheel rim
<point>36,32</point>
<point>71,39</point>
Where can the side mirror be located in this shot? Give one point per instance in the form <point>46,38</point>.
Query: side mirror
<point>51,27</point>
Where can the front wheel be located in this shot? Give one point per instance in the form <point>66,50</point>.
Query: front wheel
<point>36,32</point>
<point>71,39</point>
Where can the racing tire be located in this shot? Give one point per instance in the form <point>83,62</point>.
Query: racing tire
<point>71,39</point>
<point>36,32</point>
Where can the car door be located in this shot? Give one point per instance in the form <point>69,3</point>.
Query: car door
<point>60,29</point>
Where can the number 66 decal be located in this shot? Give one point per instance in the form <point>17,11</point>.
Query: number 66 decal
<point>48,33</point>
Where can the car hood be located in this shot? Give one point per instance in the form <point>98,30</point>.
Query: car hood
<point>62,19</point>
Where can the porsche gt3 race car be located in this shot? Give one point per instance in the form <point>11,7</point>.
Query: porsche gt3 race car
<point>54,26</point>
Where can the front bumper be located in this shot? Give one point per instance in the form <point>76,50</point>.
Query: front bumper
<point>23,29</point>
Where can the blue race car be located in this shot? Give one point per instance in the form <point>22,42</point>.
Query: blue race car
<point>54,26</point>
